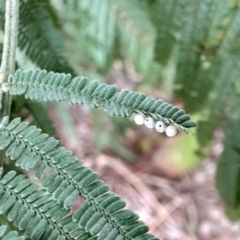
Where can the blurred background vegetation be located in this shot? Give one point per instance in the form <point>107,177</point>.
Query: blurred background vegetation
<point>186,52</point>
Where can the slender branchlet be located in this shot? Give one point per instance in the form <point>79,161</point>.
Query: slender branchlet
<point>8,57</point>
<point>9,50</point>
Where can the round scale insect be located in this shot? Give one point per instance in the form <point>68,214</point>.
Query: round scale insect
<point>171,131</point>
<point>160,126</point>
<point>149,122</point>
<point>139,119</point>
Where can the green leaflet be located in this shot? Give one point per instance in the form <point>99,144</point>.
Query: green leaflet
<point>13,235</point>
<point>101,216</point>
<point>49,86</point>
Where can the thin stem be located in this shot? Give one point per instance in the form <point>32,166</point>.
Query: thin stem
<point>10,36</point>
<point>9,51</point>
<point>8,57</point>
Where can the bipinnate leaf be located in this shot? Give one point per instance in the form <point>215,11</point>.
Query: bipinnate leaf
<point>42,85</point>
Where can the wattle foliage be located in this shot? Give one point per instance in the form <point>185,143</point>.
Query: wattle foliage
<point>41,85</point>
<point>193,43</point>
<point>45,209</point>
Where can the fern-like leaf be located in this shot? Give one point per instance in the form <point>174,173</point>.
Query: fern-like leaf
<point>34,211</point>
<point>102,214</point>
<point>39,84</point>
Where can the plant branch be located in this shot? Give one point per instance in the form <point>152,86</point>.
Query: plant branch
<point>9,51</point>
<point>8,57</point>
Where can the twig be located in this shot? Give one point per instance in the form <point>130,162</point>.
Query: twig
<point>8,56</point>
<point>154,180</point>
<point>9,51</point>
<point>162,214</point>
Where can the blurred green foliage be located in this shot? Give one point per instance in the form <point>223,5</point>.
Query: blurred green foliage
<point>189,48</point>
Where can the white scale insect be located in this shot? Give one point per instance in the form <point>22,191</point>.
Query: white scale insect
<point>160,126</point>
<point>149,122</point>
<point>139,119</point>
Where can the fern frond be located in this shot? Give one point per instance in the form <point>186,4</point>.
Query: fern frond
<point>38,36</point>
<point>102,213</point>
<point>13,235</point>
<point>39,84</point>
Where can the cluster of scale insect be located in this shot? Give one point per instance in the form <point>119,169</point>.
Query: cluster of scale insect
<point>160,126</point>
